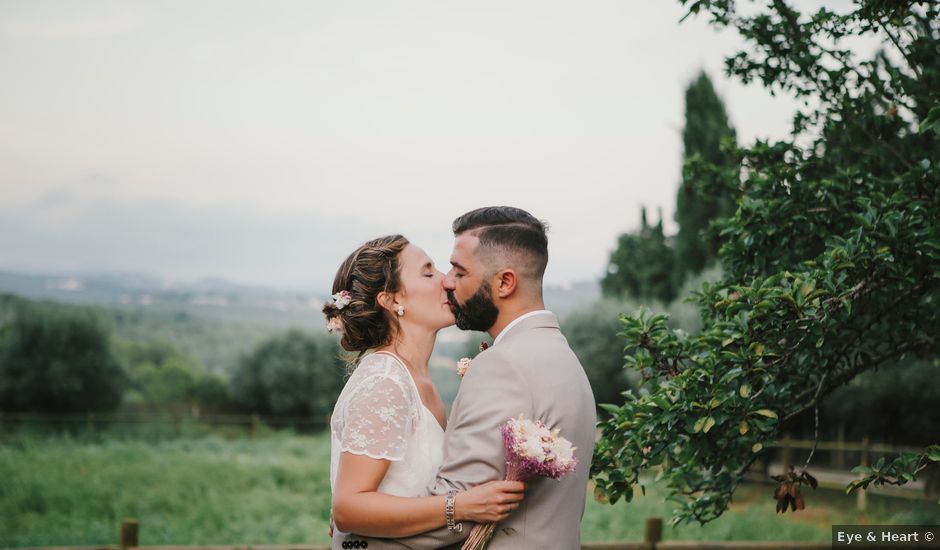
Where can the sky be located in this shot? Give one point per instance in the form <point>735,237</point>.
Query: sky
<point>261,142</point>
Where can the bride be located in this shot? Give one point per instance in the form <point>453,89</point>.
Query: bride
<point>388,424</point>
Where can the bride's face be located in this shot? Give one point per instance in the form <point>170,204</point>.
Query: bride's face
<point>423,294</point>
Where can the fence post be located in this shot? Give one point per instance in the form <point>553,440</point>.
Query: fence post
<point>255,421</point>
<point>654,532</point>
<point>839,456</point>
<point>129,530</point>
<point>861,498</point>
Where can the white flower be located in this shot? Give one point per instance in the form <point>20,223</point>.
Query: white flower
<point>462,366</point>
<point>341,299</point>
<point>563,451</point>
<point>531,447</point>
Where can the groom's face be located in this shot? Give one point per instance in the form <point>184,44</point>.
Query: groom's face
<point>468,291</point>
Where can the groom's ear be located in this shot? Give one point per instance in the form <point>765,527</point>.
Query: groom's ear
<point>505,283</point>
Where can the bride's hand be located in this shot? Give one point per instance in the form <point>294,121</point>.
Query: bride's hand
<point>490,502</point>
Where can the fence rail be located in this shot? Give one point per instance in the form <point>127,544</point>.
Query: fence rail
<point>251,422</point>
<point>150,417</point>
<point>860,447</point>
<point>130,529</point>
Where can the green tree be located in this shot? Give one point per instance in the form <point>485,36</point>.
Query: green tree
<point>897,402</point>
<point>706,127</point>
<point>642,266</point>
<point>56,359</point>
<point>294,374</point>
<point>593,334</point>
<point>161,375</point>
<point>831,261</point>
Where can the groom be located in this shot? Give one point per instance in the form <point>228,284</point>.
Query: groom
<point>495,286</point>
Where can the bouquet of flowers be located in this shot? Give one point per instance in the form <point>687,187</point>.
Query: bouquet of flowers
<point>532,450</point>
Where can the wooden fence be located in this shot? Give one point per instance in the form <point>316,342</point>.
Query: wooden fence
<point>838,479</point>
<point>130,531</point>
<point>175,420</point>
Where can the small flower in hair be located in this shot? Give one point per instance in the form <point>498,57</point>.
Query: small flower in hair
<point>335,324</point>
<point>341,299</point>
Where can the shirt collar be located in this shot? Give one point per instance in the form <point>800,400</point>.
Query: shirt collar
<point>516,321</point>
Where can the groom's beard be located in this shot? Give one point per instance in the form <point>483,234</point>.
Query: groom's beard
<point>478,312</point>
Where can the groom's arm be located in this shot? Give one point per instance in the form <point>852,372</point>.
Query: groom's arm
<point>491,393</point>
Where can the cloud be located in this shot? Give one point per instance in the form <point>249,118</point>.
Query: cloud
<point>66,229</point>
<point>79,28</point>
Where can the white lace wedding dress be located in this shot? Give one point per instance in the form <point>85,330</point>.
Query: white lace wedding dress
<point>380,414</point>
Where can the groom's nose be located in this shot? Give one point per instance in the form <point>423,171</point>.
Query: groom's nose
<point>449,282</point>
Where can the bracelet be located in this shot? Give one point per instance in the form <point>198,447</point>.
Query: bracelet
<point>449,512</point>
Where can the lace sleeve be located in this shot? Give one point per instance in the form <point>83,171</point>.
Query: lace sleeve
<point>379,418</point>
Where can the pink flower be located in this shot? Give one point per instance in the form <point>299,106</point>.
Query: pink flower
<point>335,324</point>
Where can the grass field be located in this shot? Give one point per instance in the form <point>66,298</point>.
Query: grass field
<point>230,489</point>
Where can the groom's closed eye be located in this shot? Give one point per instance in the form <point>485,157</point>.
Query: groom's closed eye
<point>459,270</point>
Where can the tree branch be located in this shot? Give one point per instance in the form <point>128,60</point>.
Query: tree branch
<point>901,50</point>
<point>819,388</point>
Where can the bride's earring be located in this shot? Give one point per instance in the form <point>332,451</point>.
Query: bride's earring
<point>401,310</point>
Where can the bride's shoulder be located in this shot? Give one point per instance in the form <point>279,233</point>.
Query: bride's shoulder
<point>380,365</point>
<point>380,376</point>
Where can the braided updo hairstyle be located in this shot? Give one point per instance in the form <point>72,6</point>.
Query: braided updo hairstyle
<point>371,269</point>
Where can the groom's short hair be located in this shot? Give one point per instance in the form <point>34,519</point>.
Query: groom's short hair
<point>509,233</point>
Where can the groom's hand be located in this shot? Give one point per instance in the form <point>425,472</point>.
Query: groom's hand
<point>490,502</point>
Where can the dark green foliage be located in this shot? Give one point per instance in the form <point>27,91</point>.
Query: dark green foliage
<point>647,264</point>
<point>593,335</point>
<point>161,375</point>
<point>642,266</point>
<point>56,359</point>
<point>831,261</point>
<point>214,341</point>
<point>706,127</point>
<point>294,374</point>
<point>896,403</point>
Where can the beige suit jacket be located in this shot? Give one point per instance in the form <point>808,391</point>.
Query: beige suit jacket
<point>531,371</point>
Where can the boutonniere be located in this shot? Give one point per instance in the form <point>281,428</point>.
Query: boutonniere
<point>464,362</point>
<point>462,366</point>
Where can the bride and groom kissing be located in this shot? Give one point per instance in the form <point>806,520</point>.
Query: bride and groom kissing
<point>403,475</point>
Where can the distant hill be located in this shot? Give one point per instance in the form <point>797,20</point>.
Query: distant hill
<point>217,321</point>
<point>217,298</point>
<point>208,298</point>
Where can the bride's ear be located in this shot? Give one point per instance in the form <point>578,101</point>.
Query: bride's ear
<point>386,301</point>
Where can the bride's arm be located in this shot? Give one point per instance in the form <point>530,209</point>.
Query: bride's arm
<point>359,508</point>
